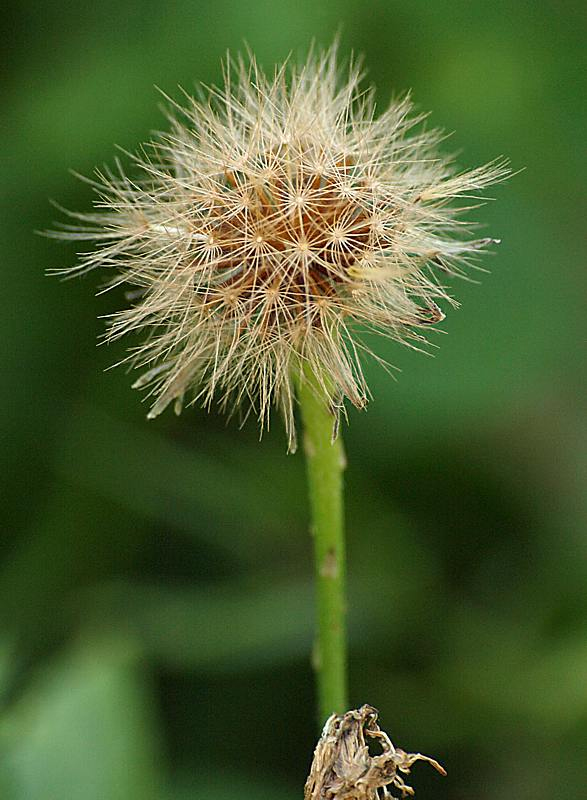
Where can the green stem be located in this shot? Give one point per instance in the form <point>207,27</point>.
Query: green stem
<point>325,465</point>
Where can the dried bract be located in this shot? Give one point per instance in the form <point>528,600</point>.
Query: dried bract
<point>344,769</point>
<point>277,221</point>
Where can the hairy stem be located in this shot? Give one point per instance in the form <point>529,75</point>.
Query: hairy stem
<point>325,464</point>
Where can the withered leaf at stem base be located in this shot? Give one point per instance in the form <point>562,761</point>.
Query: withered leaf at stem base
<point>343,768</point>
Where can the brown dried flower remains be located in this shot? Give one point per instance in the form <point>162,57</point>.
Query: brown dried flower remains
<point>344,769</point>
<point>276,221</point>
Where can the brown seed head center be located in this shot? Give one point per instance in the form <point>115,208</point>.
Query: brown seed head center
<point>301,234</point>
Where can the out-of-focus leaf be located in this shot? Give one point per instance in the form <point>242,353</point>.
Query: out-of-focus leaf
<point>83,731</point>
<point>226,629</point>
<point>522,675</point>
<point>163,481</point>
<point>73,538</point>
<point>218,786</point>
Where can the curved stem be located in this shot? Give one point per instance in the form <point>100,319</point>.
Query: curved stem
<point>325,464</point>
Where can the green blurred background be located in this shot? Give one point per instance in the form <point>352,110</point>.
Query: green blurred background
<point>155,581</point>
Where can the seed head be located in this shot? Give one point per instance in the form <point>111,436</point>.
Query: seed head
<point>278,220</point>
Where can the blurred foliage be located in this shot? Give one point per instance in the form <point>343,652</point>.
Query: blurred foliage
<point>155,583</point>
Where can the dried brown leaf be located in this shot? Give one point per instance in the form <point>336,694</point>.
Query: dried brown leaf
<point>343,768</point>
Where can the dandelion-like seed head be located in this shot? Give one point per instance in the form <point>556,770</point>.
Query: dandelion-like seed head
<point>277,221</point>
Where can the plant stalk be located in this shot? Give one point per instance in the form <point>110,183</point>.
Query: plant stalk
<point>325,462</point>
